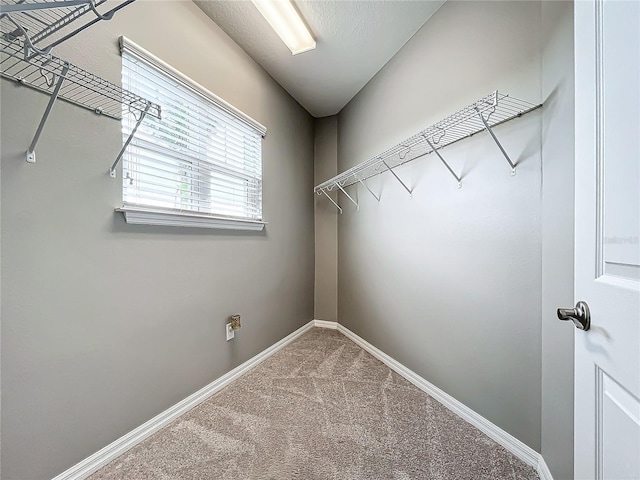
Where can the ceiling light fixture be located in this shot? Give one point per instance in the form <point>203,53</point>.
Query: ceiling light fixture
<point>286,21</point>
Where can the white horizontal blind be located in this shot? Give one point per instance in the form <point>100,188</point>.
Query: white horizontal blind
<point>199,158</point>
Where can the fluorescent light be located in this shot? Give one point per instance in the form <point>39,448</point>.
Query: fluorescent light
<point>285,20</point>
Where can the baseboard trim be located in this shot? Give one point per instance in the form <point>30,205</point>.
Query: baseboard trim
<point>91,464</point>
<point>325,324</point>
<point>543,470</point>
<point>508,441</point>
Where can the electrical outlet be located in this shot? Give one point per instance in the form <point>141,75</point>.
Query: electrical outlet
<point>230,332</point>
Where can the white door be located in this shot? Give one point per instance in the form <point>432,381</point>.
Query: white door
<point>607,231</point>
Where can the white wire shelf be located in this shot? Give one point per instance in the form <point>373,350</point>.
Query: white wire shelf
<point>79,86</point>
<point>61,79</point>
<point>484,114</point>
<point>29,29</point>
<point>36,21</point>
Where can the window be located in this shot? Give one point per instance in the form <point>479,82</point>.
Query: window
<point>203,159</point>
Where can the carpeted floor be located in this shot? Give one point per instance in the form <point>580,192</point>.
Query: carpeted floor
<point>319,409</point>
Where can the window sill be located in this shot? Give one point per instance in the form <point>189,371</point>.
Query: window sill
<point>145,216</point>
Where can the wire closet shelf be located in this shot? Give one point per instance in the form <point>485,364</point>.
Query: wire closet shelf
<point>26,41</point>
<point>484,114</point>
<point>79,86</point>
<point>37,21</point>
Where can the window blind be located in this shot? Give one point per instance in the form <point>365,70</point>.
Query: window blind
<point>200,158</point>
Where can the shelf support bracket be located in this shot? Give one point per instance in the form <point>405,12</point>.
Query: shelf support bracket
<point>445,163</point>
<point>112,170</point>
<point>398,178</point>
<point>348,196</point>
<point>106,16</point>
<point>370,191</point>
<point>30,50</point>
<point>31,153</point>
<point>332,201</point>
<point>495,139</point>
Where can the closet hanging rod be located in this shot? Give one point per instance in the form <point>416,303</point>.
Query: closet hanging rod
<point>484,114</point>
<point>34,21</point>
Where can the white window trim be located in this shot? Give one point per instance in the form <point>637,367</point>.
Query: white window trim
<point>150,216</point>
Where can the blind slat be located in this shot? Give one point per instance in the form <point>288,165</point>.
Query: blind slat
<point>158,197</point>
<point>156,152</point>
<point>148,192</point>
<point>188,186</point>
<point>203,150</point>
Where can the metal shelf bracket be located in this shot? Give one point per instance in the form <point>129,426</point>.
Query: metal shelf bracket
<point>332,201</point>
<point>112,170</point>
<point>495,139</point>
<point>398,178</point>
<point>29,48</point>
<point>370,191</point>
<point>31,153</point>
<point>443,161</point>
<point>348,196</point>
<point>106,16</point>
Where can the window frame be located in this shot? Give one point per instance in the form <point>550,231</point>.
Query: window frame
<point>150,215</point>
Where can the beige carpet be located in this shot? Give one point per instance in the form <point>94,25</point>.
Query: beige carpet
<point>321,408</point>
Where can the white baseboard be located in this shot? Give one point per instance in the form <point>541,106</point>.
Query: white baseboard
<point>543,470</point>
<point>110,452</point>
<point>508,441</point>
<point>325,324</point>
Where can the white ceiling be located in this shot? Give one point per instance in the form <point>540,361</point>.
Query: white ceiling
<point>355,39</point>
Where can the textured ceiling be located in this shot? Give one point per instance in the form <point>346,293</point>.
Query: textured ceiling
<point>355,39</point>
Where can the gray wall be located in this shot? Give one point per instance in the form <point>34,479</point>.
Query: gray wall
<point>326,222</point>
<point>0,301</point>
<point>449,282</point>
<point>105,324</point>
<point>557,236</point>
<point>462,286</point>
